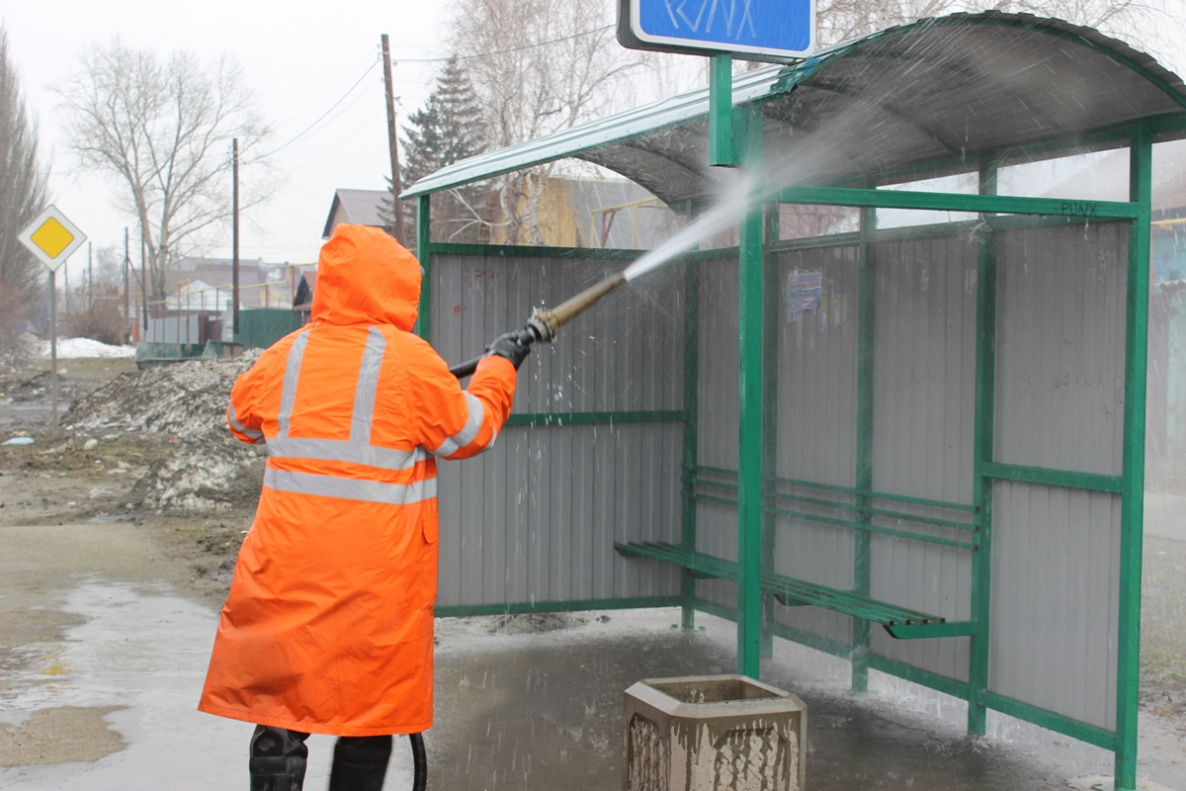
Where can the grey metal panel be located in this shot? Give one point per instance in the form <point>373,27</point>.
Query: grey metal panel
<point>1060,347</point>
<point>716,523</point>
<point>1055,588</point>
<point>923,427</point>
<point>934,579</point>
<point>815,428</point>
<point>535,517</point>
<point>513,531</point>
<point>624,354</point>
<point>174,329</point>
<point>1059,404</point>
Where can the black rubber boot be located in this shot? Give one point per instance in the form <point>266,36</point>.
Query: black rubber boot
<point>360,763</point>
<point>278,759</point>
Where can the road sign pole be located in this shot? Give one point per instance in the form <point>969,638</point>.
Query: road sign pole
<point>52,238</point>
<point>53,348</point>
<point>720,110</point>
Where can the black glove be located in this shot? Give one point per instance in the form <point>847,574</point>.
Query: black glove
<point>510,346</point>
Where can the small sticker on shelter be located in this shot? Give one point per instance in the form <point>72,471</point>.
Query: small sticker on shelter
<point>803,293</point>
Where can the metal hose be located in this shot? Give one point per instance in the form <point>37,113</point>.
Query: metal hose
<point>544,324</point>
<point>419,762</point>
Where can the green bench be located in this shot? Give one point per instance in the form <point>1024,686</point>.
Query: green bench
<point>900,622</point>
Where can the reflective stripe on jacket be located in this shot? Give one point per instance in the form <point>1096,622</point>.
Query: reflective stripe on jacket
<point>328,626</point>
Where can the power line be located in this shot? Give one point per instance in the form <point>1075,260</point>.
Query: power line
<point>330,89</point>
<point>359,128</point>
<point>504,51</point>
<point>321,117</point>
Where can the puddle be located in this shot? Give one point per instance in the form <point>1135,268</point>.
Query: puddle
<point>139,660</point>
<point>530,710</point>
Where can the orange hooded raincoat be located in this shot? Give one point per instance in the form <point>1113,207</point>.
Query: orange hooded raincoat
<point>328,627</point>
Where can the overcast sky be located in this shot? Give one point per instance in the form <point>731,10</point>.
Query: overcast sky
<point>300,59</point>
<point>315,68</point>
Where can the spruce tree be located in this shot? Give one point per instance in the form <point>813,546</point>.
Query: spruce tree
<point>447,129</point>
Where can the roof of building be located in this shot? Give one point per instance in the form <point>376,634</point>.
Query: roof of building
<point>358,207</point>
<point>933,95</point>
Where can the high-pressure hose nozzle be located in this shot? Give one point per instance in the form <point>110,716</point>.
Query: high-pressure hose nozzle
<point>544,324</point>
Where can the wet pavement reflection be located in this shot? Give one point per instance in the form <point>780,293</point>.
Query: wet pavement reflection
<point>533,702</point>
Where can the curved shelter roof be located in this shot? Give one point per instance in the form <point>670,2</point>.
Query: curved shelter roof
<point>935,95</point>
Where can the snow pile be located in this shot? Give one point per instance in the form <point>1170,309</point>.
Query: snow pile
<point>73,348</point>
<point>184,405</point>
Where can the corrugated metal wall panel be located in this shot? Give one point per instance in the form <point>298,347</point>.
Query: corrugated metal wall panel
<point>816,426</point>
<point>716,523</point>
<point>512,531</point>
<point>817,370</point>
<point>186,329</point>
<point>1059,404</point>
<point>923,428</point>
<point>535,518</point>
<point>1060,347</point>
<point>1054,621</point>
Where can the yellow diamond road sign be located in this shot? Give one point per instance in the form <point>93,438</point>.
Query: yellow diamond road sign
<point>52,238</point>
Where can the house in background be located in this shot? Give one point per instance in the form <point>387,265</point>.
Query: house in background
<point>356,207</point>
<point>210,280</point>
<point>602,213</point>
<point>573,213</point>
<point>198,301</point>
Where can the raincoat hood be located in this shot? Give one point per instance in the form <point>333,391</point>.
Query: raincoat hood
<point>364,276</point>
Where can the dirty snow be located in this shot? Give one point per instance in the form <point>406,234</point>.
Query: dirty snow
<point>184,404</point>
<point>74,348</point>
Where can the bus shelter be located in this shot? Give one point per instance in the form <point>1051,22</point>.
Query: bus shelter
<point>906,428</point>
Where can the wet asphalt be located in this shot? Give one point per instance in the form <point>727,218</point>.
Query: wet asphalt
<point>106,700</point>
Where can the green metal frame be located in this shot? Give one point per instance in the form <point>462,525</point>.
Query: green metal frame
<point>1133,474</point>
<point>862,557</point>
<point>750,424</point>
<point>770,297</point>
<point>939,201</point>
<point>424,251</point>
<point>574,605</point>
<point>721,150</point>
<point>982,454</point>
<point>691,419</point>
<point>593,418</point>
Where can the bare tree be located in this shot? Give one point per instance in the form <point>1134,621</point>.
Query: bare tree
<point>538,66</point>
<point>163,130</point>
<point>22,198</point>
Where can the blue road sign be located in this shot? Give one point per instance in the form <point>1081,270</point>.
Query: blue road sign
<point>775,28</point>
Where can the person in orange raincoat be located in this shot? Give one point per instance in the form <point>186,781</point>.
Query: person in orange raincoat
<point>328,627</point>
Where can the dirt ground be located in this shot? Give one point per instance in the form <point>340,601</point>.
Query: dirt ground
<point>98,477</point>
<point>71,478</point>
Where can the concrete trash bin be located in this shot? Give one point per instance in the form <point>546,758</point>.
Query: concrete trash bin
<point>714,733</point>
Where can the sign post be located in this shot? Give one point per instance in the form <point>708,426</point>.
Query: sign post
<point>52,238</point>
<point>772,30</point>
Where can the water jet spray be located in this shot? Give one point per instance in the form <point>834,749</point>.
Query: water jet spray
<point>543,324</point>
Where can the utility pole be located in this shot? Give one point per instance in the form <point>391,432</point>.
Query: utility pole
<point>235,237</point>
<point>127,299</point>
<point>396,189</point>
<point>143,285</point>
<point>90,279</point>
